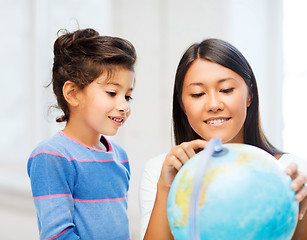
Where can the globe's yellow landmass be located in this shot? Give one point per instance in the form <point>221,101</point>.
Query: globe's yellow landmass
<point>208,179</point>
<point>183,196</point>
<point>244,158</point>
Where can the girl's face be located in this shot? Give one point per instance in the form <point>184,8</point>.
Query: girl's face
<point>215,100</point>
<point>104,104</point>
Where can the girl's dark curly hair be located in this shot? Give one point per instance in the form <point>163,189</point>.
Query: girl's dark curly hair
<point>82,56</point>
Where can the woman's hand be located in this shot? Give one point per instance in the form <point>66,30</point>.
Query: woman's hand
<point>298,185</point>
<point>158,226</point>
<point>175,159</point>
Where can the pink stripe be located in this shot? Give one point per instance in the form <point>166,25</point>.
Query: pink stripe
<point>52,196</point>
<point>79,200</point>
<point>94,149</point>
<point>100,200</point>
<point>96,160</point>
<point>90,160</point>
<point>74,159</point>
<point>48,152</point>
<point>57,235</point>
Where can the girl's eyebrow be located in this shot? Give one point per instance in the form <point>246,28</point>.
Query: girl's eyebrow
<point>118,85</point>
<point>113,83</point>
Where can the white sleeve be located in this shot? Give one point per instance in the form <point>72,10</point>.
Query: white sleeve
<point>148,189</point>
<point>286,159</point>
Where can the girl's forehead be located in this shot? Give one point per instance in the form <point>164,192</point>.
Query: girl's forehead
<point>120,79</point>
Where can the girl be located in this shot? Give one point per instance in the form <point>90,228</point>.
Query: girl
<point>215,95</point>
<point>80,179</point>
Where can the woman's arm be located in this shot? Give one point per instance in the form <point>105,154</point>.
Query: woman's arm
<point>148,189</point>
<point>158,227</point>
<point>301,230</point>
<point>298,185</point>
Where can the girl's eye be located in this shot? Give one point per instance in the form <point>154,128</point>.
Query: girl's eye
<point>112,94</point>
<point>228,90</point>
<point>128,98</point>
<point>196,95</point>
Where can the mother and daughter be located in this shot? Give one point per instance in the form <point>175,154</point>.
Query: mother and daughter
<point>80,178</point>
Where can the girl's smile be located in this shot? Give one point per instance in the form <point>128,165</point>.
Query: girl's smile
<point>118,121</point>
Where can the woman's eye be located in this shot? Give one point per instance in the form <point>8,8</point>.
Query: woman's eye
<point>196,95</point>
<point>112,94</point>
<point>128,98</point>
<point>228,90</point>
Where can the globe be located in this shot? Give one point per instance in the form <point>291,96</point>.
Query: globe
<point>232,191</point>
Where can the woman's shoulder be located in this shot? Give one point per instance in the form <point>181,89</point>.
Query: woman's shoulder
<point>156,161</point>
<point>155,164</point>
<point>288,158</point>
<point>152,168</point>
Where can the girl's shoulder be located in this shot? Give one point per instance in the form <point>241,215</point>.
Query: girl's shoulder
<point>51,143</point>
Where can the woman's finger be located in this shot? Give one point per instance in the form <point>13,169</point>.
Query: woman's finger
<point>175,162</point>
<point>299,182</point>
<point>180,154</point>
<point>191,147</point>
<point>292,170</point>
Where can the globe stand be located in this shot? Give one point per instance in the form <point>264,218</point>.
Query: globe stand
<point>214,147</point>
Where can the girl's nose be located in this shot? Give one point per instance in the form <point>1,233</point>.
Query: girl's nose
<point>123,106</point>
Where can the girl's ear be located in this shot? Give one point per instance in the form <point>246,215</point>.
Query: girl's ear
<point>70,90</point>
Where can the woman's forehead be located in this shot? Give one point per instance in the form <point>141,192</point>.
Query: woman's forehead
<point>203,71</point>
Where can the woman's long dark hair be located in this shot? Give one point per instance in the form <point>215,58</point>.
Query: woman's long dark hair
<point>224,54</point>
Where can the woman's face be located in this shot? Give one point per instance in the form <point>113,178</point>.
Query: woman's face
<point>215,100</point>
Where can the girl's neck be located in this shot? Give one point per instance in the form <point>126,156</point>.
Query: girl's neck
<point>86,137</point>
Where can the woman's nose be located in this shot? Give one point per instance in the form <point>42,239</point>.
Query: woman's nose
<point>214,103</point>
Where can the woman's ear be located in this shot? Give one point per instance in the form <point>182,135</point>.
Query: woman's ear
<point>250,96</point>
<point>179,99</point>
<point>70,90</point>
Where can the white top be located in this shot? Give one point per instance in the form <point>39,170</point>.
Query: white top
<point>151,174</point>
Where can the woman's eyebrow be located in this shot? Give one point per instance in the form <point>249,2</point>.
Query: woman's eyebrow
<point>195,84</point>
<point>219,81</point>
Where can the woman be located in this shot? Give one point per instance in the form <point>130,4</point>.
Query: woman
<point>215,95</point>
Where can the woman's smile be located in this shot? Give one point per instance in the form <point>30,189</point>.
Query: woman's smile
<point>216,121</point>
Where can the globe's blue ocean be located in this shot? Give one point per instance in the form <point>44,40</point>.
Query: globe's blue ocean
<point>244,194</point>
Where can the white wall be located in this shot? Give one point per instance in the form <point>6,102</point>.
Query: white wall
<point>294,94</point>
<point>161,30</point>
